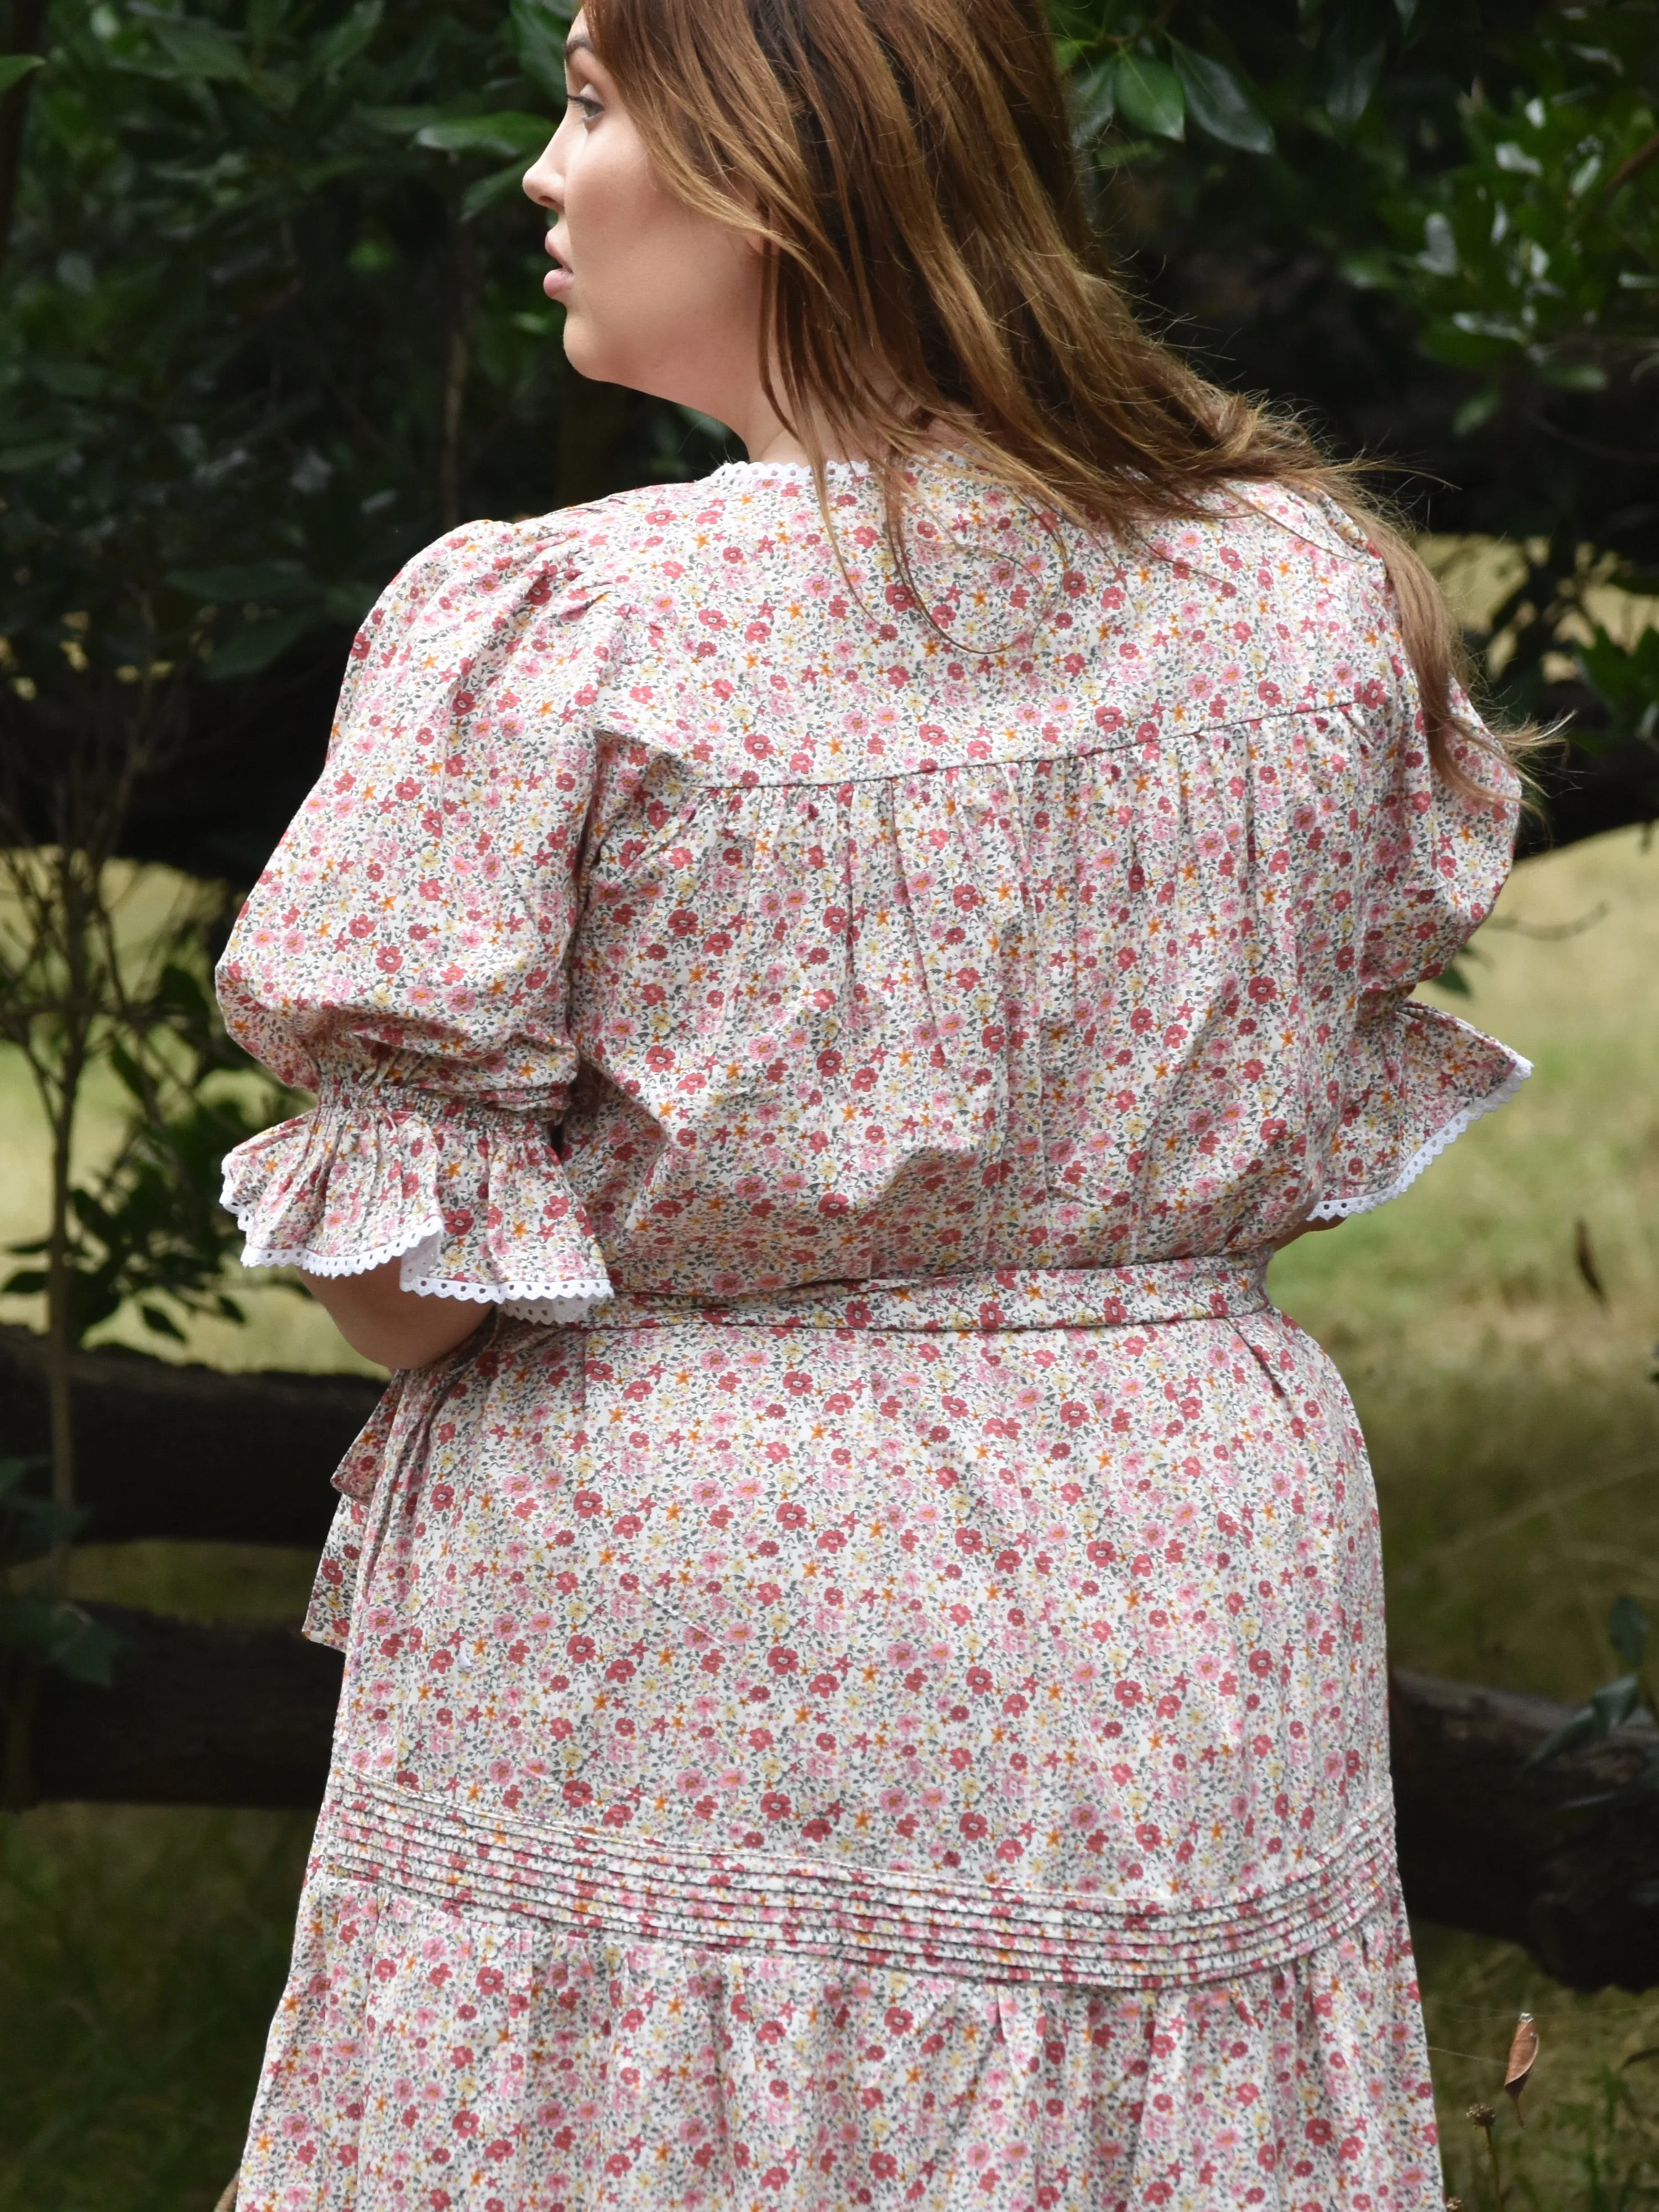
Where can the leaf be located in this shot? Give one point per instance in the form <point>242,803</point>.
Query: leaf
<point>1627,1632</point>
<point>1149,95</point>
<point>1516,161</point>
<point>1439,255</point>
<point>1453,978</point>
<point>1626,676</point>
<point>85,1649</point>
<point>1449,341</point>
<point>199,50</point>
<point>1478,326</point>
<point>76,380</point>
<point>1476,411</point>
<point>14,1469</point>
<point>1523,2056</point>
<point>1355,56</point>
<point>500,185</point>
<point>39,1526</point>
<point>1406,10</point>
<point>255,645</point>
<point>264,20</point>
<point>127,1073</point>
<point>1581,1727</point>
<point>537,31</point>
<point>1118,153</point>
<point>511,134</point>
<point>92,1214</point>
<point>342,45</point>
<point>14,67</point>
<point>181,993</point>
<point>65,1636</point>
<point>1369,272</point>
<point>270,583</point>
<point>31,1524</point>
<point>1612,1704</point>
<point>1219,103</point>
<point>400,122</point>
<point>1093,103</point>
<point>1574,375</point>
<point>162,1321</point>
<point>35,454</point>
<point>349,602</point>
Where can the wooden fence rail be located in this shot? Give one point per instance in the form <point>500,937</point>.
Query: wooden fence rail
<point>186,1452</point>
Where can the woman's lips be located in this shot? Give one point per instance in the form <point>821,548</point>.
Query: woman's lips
<point>556,283</point>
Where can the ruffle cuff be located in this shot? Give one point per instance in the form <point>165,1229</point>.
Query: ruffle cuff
<point>472,1200</point>
<point>1420,1078</point>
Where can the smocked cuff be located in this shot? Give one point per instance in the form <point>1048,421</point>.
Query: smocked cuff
<point>472,1200</point>
<point>1429,1077</point>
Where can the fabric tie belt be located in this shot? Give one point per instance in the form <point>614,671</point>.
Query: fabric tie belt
<point>1217,1287</point>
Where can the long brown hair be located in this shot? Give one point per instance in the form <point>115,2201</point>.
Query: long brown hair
<point>930,268</point>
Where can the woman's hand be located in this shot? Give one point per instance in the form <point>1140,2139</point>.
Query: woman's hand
<point>386,1322</point>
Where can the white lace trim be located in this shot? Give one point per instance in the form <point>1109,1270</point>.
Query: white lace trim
<point>1339,1209</point>
<point>576,1305</point>
<point>572,1298</point>
<point>793,469</point>
<point>551,1304</point>
<point>801,472</point>
<point>317,1263</point>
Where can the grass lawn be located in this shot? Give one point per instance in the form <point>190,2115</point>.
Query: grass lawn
<point>1513,1426</point>
<point>1514,1429</point>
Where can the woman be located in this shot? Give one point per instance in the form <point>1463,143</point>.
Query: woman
<point>864,1639</point>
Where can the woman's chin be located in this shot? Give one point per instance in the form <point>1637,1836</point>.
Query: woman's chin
<point>585,355</point>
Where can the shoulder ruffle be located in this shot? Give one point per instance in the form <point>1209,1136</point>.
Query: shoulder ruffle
<point>472,1200</point>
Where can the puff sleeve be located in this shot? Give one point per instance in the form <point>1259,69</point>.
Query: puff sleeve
<point>1438,856</point>
<point>404,953</point>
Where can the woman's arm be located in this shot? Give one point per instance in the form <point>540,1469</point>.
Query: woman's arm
<point>405,953</point>
<point>1304,1229</point>
<point>386,1322</point>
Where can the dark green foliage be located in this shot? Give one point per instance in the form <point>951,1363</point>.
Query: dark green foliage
<point>1435,229</point>
<point>1612,1706</point>
<point>154,1227</point>
<point>141,1955</point>
<point>34,1626</point>
<point>272,321</point>
<point>148,1233</point>
<point>1604,2137</point>
<point>1627,678</point>
<point>255,342</point>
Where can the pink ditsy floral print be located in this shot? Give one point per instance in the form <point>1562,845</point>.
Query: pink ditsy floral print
<point>864,1679</point>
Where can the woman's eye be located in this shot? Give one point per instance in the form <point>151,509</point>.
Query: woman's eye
<point>589,107</point>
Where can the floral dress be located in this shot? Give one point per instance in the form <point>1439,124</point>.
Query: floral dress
<point>864,1678</point>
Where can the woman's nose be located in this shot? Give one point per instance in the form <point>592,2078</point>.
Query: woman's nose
<point>543,181</point>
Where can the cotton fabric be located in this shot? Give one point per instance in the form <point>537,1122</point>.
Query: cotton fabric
<point>864,1679</point>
